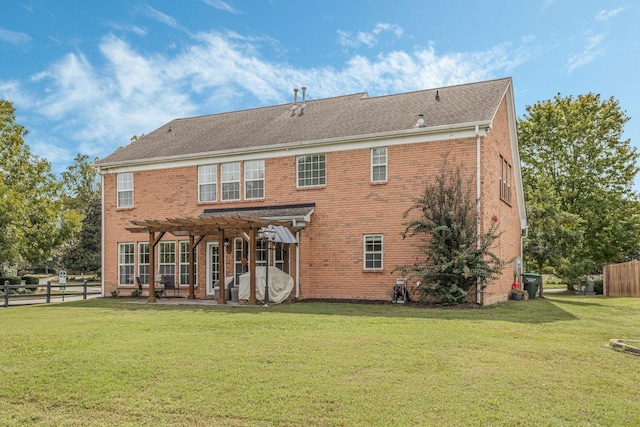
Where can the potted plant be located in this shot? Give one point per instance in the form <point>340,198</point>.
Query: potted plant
<point>517,293</point>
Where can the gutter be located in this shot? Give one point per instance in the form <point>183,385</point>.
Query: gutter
<point>102,238</point>
<point>382,137</point>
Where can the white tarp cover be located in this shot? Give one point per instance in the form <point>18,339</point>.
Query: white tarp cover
<point>280,285</point>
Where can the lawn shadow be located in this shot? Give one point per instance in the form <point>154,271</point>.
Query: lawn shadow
<point>537,311</point>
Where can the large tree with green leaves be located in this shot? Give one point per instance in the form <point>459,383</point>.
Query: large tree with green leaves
<point>573,148</point>
<point>82,194</point>
<point>33,219</point>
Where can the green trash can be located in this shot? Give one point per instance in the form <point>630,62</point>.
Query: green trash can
<point>531,282</point>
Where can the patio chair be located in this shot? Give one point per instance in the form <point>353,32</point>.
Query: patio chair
<point>169,283</point>
<point>139,283</point>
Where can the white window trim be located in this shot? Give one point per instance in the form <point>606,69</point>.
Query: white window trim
<point>181,263</point>
<point>124,190</point>
<point>324,184</point>
<point>121,264</point>
<point>141,264</point>
<point>214,183</point>
<point>365,252</point>
<point>386,160</point>
<point>248,179</point>
<point>223,181</point>
<point>160,263</point>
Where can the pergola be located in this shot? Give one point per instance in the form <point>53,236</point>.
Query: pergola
<point>197,228</point>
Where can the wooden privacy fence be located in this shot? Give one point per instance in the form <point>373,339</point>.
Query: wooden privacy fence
<point>622,280</point>
<point>9,298</point>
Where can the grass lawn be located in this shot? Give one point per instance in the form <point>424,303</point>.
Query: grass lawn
<point>109,362</point>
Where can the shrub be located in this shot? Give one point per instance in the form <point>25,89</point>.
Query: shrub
<point>135,293</point>
<point>598,286</point>
<point>13,280</point>
<point>548,270</point>
<point>115,292</point>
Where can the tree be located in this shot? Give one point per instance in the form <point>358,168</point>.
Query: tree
<point>576,145</point>
<point>82,194</point>
<point>33,221</point>
<point>553,233</point>
<point>454,261</point>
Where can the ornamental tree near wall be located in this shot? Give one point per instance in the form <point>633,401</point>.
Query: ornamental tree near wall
<point>453,263</point>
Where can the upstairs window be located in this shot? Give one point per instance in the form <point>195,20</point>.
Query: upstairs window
<point>373,252</point>
<point>379,164</point>
<point>230,177</point>
<point>254,179</point>
<point>312,170</point>
<point>505,180</point>
<point>125,190</point>
<point>207,183</point>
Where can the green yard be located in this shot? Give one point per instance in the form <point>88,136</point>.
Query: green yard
<point>110,362</point>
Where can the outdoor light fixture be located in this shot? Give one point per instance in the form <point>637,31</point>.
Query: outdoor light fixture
<point>267,233</point>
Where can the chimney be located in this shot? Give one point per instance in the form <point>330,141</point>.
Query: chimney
<point>295,96</point>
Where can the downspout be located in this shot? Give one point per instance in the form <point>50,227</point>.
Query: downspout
<point>478,193</point>
<point>102,233</point>
<point>297,261</point>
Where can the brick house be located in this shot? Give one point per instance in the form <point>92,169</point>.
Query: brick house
<point>335,175</point>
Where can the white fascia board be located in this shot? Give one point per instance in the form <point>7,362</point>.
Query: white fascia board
<point>408,136</point>
<point>515,156</point>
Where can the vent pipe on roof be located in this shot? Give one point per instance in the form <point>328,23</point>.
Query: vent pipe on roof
<point>304,91</point>
<point>420,122</point>
<point>295,101</point>
<point>438,95</point>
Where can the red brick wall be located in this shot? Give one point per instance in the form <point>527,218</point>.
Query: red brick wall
<point>496,144</point>
<point>347,208</point>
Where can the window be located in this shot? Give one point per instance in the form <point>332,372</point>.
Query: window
<point>373,252</point>
<point>143,263</point>
<point>125,190</point>
<point>261,253</point>
<point>167,259</point>
<point>230,177</point>
<point>126,258</point>
<point>505,180</point>
<point>207,181</point>
<point>379,164</point>
<point>312,170</point>
<point>184,263</point>
<point>254,179</point>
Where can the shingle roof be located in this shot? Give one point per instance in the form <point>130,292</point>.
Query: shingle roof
<point>339,117</point>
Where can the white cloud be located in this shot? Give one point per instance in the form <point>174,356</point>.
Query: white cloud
<point>162,17</point>
<point>369,39</point>
<point>14,37</point>
<point>96,107</point>
<point>591,51</point>
<point>605,15</point>
<point>220,5</point>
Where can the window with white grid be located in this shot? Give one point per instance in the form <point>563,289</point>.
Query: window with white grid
<point>143,263</point>
<point>126,262</point>
<point>312,170</point>
<point>373,252</point>
<point>207,183</point>
<point>230,177</point>
<point>379,164</point>
<point>184,263</point>
<point>254,179</point>
<point>125,190</point>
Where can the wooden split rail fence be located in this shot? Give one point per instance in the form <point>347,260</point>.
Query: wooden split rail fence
<point>45,298</point>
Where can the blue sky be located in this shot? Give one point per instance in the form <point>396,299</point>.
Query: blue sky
<point>87,75</point>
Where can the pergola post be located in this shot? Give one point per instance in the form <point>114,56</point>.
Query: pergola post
<point>153,242</point>
<point>252,266</point>
<point>222,253</point>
